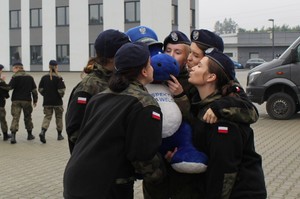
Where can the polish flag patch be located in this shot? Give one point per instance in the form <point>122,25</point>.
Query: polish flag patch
<point>155,115</point>
<point>223,129</point>
<point>81,100</point>
<point>238,89</point>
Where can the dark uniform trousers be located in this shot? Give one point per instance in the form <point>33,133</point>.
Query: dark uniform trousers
<point>3,120</point>
<point>16,108</point>
<point>48,112</point>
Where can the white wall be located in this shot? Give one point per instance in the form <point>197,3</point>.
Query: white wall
<point>184,12</point>
<point>4,34</point>
<point>113,14</point>
<point>157,17</point>
<point>49,32</point>
<point>25,34</point>
<point>79,34</point>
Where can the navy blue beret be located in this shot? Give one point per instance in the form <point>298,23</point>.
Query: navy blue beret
<point>143,34</point>
<point>131,55</point>
<point>1,66</point>
<point>17,64</point>
<point>222,60</point>
<point>52,63</point>
<point>176,37</point>
<point>207,39</point>
<point>109,41</point>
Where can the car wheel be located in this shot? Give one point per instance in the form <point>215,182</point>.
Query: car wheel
<point>251,66</point>
<point>281,106</point>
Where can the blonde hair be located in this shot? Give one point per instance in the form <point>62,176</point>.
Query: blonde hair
<point>53,69</point>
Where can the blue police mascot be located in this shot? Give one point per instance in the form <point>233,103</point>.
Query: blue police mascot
<point>176,132</point>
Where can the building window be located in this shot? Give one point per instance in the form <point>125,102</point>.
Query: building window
<point>95,14</point>
<point>92,51</point>
<point>193,18</point>
<point>174,15</point>
<point>132,12</point>
<point>15,18</point>
<point>36,55</point>
<point>36,17</point>
<point>62,16</point>
<point>62,54</point>
<point>15,54</point>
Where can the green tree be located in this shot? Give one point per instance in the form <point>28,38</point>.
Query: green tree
<point>228,26</point>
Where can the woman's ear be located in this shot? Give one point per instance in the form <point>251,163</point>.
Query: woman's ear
<point>211,77</point>
<point>144,72</point>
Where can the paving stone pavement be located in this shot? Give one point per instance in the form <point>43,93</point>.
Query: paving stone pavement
<point>32,170</point>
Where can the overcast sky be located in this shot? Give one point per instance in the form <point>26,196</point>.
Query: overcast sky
<point>249,14</point>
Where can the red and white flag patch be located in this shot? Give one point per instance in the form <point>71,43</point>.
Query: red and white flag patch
<point>155,115</point>
<point>222,129</point>
<point>81,100</point>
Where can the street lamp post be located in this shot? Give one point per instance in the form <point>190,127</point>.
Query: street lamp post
<point>272,20</point>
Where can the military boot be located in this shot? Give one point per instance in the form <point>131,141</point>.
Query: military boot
<point>13,138</point>
<point>29,135</point>
<point>42,135</point>
<point>6,136</point>
<point>59,135</point>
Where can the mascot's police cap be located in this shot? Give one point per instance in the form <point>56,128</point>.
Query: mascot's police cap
<point>143,34</point>
<point>207,39</point>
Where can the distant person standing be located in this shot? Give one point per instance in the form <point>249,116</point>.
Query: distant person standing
<point>24,92</point>
<point>52,88</point>
<point>4,88</point>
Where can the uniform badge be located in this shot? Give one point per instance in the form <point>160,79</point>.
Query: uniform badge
<point>142,30</point>
<point>155,115</point>
<point>174,36</point>
<point>222,129</point>
<point>195,35</point>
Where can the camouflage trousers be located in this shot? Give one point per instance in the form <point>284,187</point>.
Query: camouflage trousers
<point>3,120</point>
<point>16,108</point>
<point>48,112</point>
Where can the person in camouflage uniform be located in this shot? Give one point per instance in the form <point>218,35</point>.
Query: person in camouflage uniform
<point>235,106</point>
<point>122,133</point>
<point>106,45</point>
<point>52,88</point>
<point>23,87</point>
<point>4,88</point>
<point>234,168</point>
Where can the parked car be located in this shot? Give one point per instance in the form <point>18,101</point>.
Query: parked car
<point>277,83</point>
<point>237,65</point>
<point>253,62</point>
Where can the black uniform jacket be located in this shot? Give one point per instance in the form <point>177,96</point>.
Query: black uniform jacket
<point>4,88</point>
<point>93,83</point>
<point>118,130</point>
<point>52,90</point>
<point>23,86</point>
<point>234,168</point>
